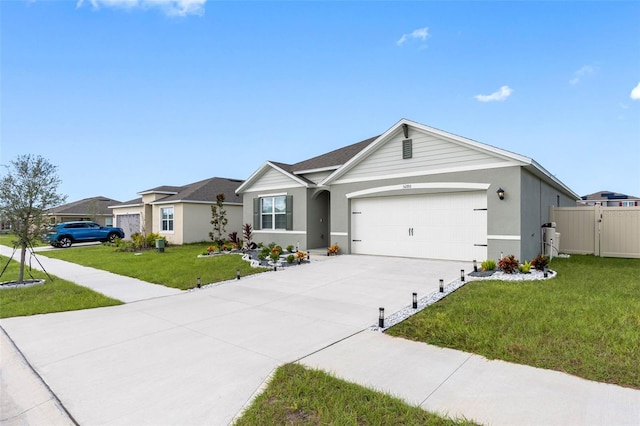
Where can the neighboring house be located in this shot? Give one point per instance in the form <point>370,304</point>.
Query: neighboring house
<point>609,199</point>
<point>413,191</point>
<point>181,213</point>
<point>95,208</point>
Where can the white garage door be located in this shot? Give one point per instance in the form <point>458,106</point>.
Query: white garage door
<point>449,226</point>
<point>130,224</point>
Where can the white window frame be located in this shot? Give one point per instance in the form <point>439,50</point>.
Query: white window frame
<point>170,222</point>
<point>273,214</point>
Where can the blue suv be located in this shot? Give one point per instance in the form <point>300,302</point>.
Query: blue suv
<point>66,233</point>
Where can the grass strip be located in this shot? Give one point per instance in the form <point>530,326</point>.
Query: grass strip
<point>177,267</point>
<point>300,396</point>
<point>585,322</point>
<point>53,296</point>
<point>9,240</point>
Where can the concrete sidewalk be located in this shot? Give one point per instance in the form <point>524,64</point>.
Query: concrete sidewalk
<point>119,287</point>
<point>198,357</point>
<point>461,384</point>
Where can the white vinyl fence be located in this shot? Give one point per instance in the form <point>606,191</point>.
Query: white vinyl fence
<point>602,231</point>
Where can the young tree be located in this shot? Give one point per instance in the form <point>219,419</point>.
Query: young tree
<point>27,191</point>
<point>218,220</point>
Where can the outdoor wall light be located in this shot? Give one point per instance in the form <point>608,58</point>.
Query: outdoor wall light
<point>441,286</point>
<point>462,275</point>
<point>381,317</point>
<point>415,300</point>
<point>198,282</point>
<point>500,193</point>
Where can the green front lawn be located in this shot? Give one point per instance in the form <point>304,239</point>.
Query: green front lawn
<point>53,296</point>
<point>585,322</point>
<point>8,240</point>
<point>300,396</point>
<point>178,266</point>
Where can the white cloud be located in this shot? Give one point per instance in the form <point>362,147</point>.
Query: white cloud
<point>635,93</point>
<point>419,34</point>
<point>169,7</point>
<point>577,76</point>
<point>500,95</point>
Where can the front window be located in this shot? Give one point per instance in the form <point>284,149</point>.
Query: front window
<point>273,211</point>
<point>166,218</point>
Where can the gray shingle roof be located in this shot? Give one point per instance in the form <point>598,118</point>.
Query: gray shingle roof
<point>334,158</point>
<point>163,189</point>
<point>205,190</point>
<point>94,205</point>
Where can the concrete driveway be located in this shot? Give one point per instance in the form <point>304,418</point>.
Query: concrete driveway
<point>198,357</point>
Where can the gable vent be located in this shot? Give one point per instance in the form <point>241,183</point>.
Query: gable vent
<point>407,148</point>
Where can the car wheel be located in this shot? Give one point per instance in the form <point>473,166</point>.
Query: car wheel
<point>65,242</point>
<point>112,237</point>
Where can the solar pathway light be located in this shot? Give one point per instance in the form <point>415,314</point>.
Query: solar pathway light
<point>237,274</point>
<point>415,301</point>
<point>381,317</point>
<point>462,275</point>
<point>441,286</point>
<point>198,282</point>
<point>475,266</point>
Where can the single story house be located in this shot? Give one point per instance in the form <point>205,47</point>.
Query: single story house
<point>413,191</point>
<point>95,208</point>
<point>609,199</point>
<point>181,213</point>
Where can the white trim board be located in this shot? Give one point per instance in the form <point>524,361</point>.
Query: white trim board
<point>421,187</point>
<point>504,237</point>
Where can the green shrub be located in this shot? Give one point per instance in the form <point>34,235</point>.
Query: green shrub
<point>508,264</point>
<point>264,251</point>
<point>123,245</point>
<point>488,265</point>
<point>142,241</point>
<point>291,258</point>
<point>525,268</point>
<point>290,248</point>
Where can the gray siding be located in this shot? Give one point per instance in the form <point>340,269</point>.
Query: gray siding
<point>536,200</point>
<point>317,177</point>
<point>271,180</point>
<point>430,154</point>
<point>281,237</point>
<point>503,218</point>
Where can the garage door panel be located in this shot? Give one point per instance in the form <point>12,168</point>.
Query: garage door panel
<point>439,226</point>
<point>130,224</point>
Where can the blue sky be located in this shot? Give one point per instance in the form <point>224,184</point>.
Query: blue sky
<point>128,95</point>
